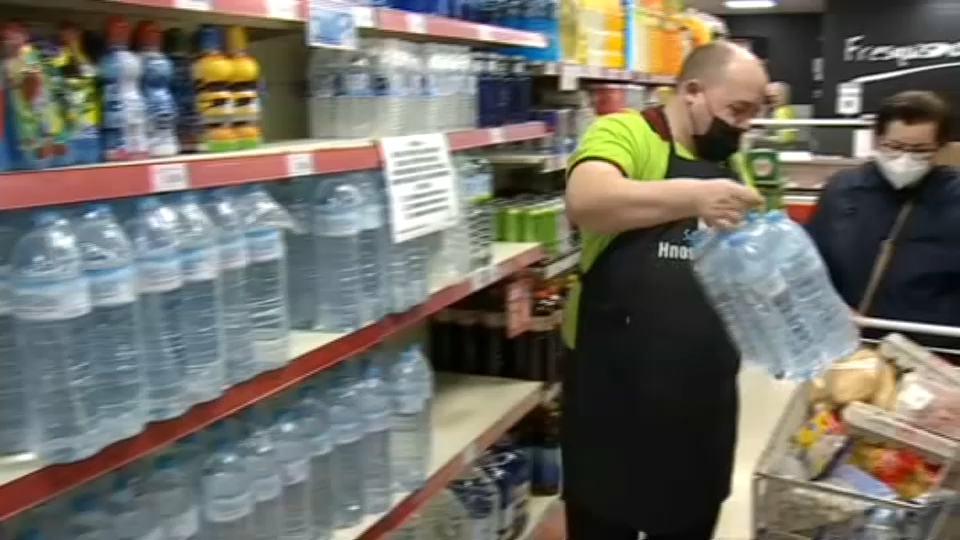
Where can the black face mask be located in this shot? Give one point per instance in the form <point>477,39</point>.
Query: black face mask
<point>719,142</point>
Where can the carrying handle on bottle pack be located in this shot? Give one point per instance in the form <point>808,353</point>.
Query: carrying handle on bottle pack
<point>880,264</point>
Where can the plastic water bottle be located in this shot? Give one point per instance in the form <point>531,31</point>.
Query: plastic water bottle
<point>297,197</point>
<point>52,308</point>
<point>160,106</point>
<point>480,495</point>
<point>202,310</point>
<point>425,381</point>
<point>132,517</point>
<point>374,246</point>
<point>346,426</point>
<point>376,409</point>
<point>293,455</point>
<point>336,222</point>
<point>115,330</point>
<point>87,519</point>
<point>226,499</point>
<point>323,83</point>
<point>13,389</point>
<point>807,277</point>
<point>316,423</point>
<point>408,461</point>
<point>239,360</point>
<point>769,293</point>
<point>171,491</point>
<point>353,99</point>
<point>153,233</point>
<point>265,220</point>
<point>266,484</point>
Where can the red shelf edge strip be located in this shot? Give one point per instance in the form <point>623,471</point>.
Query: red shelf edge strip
<point>49,482</point>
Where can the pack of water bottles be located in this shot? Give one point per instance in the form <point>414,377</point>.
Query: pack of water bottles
<point>770,287</point>
<point>320,458</point>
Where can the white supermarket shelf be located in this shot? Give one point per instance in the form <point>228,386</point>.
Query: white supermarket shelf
<point>469,414</point>
<point>25,483</point>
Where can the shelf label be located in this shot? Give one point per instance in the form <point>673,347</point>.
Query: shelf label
<point>299,164</point>
<point>363,17</point>
<point>484,33</point>
<point>283,9</point>
<point>416,23</point>
<point>420,184</point>
<point>519,306</point>
<point>196,5</point>
<point>568,77</point>
<point>169,177</point>
<point>330,25</point>
<point>484,277</point>
<point>496,135</point>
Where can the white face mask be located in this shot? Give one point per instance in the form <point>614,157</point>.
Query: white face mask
<point>903,169</point>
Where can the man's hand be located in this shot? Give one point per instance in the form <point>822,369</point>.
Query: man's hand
<point>722,203</point>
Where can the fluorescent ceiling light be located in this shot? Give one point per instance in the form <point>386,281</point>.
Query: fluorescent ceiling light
<point>750,4</point>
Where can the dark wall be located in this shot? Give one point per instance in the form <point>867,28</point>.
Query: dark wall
<point>897,35</point>
<point>789,43</point>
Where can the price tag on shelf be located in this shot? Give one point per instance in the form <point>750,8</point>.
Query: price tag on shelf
<point>196,5</point>
<point>363,17</point>
<point>416,23</point>
<point>283,9</point>
<point>299,164</point>
<point>169,177</point>
<point>420,184</point>
<point>484,277</point>
<point>484,32</point>
<point>519,306</point>
<point>330,25</point>
<point>496,135</point>
<point>568,77</point>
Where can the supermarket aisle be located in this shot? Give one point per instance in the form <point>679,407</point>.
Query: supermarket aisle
<point>762,400</point>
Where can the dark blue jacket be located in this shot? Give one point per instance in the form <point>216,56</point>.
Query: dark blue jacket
<point>922,284</point>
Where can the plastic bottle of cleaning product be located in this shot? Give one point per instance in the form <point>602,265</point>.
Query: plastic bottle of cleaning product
<point>52,309</point>
<point>212,75</point>
<point>176,44</point>
<point>160,106</point>
<point>80,88</point>
<point>124,123</point>
<point>245,81</point>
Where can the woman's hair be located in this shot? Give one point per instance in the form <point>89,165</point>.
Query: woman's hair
<point>915,107</point>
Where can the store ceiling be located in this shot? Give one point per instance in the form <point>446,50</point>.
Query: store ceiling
<point>785,6</point>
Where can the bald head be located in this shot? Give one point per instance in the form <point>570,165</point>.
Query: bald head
<point>710,63</point>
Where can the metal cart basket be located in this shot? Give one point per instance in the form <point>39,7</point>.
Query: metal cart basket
<point>788,508</point>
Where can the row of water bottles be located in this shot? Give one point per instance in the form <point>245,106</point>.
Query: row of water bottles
<point>390,87</point>
<point>770,287</point>
<point>133,312</point>
<point>317,459</point>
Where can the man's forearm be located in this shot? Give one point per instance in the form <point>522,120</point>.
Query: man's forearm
<point>613,204</point>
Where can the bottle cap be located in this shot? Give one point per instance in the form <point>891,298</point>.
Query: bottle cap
<point>147,36</point>
<point>208,38</point>
<point>236,39</point>
<point>118,31</point>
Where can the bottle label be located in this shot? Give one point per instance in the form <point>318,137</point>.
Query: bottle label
<point>159,275</point>
<point>296,472</point>
<point>114,287</point>
<point>184,526</point>
<point>52,301</point>
<point>6,291</point>
<point>265,245</point>
<point>199,264</point>
<point>220,510</point>
<point>233,255</point>
<point>267,489</point>
<point>336,225</point>
<point>321,446</point>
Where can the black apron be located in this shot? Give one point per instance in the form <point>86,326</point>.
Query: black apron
<point>650,391</point>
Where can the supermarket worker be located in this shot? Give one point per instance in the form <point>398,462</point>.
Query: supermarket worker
<point>889,230</point>
<point>778,100</point>
<point>649,388</point>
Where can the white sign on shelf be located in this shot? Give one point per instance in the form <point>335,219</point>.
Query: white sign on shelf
<point>363,17</point>
<point>849,98</point>
<point>416,23</point>
<point>569,76</point>
<point>299,164</point>
<point>169,177</point>
<point>330,25</point>
<point>484,32</point>
<point>283,9</point>
<point>420,184</point>
<point>196,5</point>
<point>496,136</point>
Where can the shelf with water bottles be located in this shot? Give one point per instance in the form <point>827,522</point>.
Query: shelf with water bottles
<point>232,281</point>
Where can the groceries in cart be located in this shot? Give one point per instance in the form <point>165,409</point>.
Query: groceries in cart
<point>864,451</point>
<point>769,285</point>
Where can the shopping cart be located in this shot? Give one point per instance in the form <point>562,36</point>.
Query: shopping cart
<point>787,508</point>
